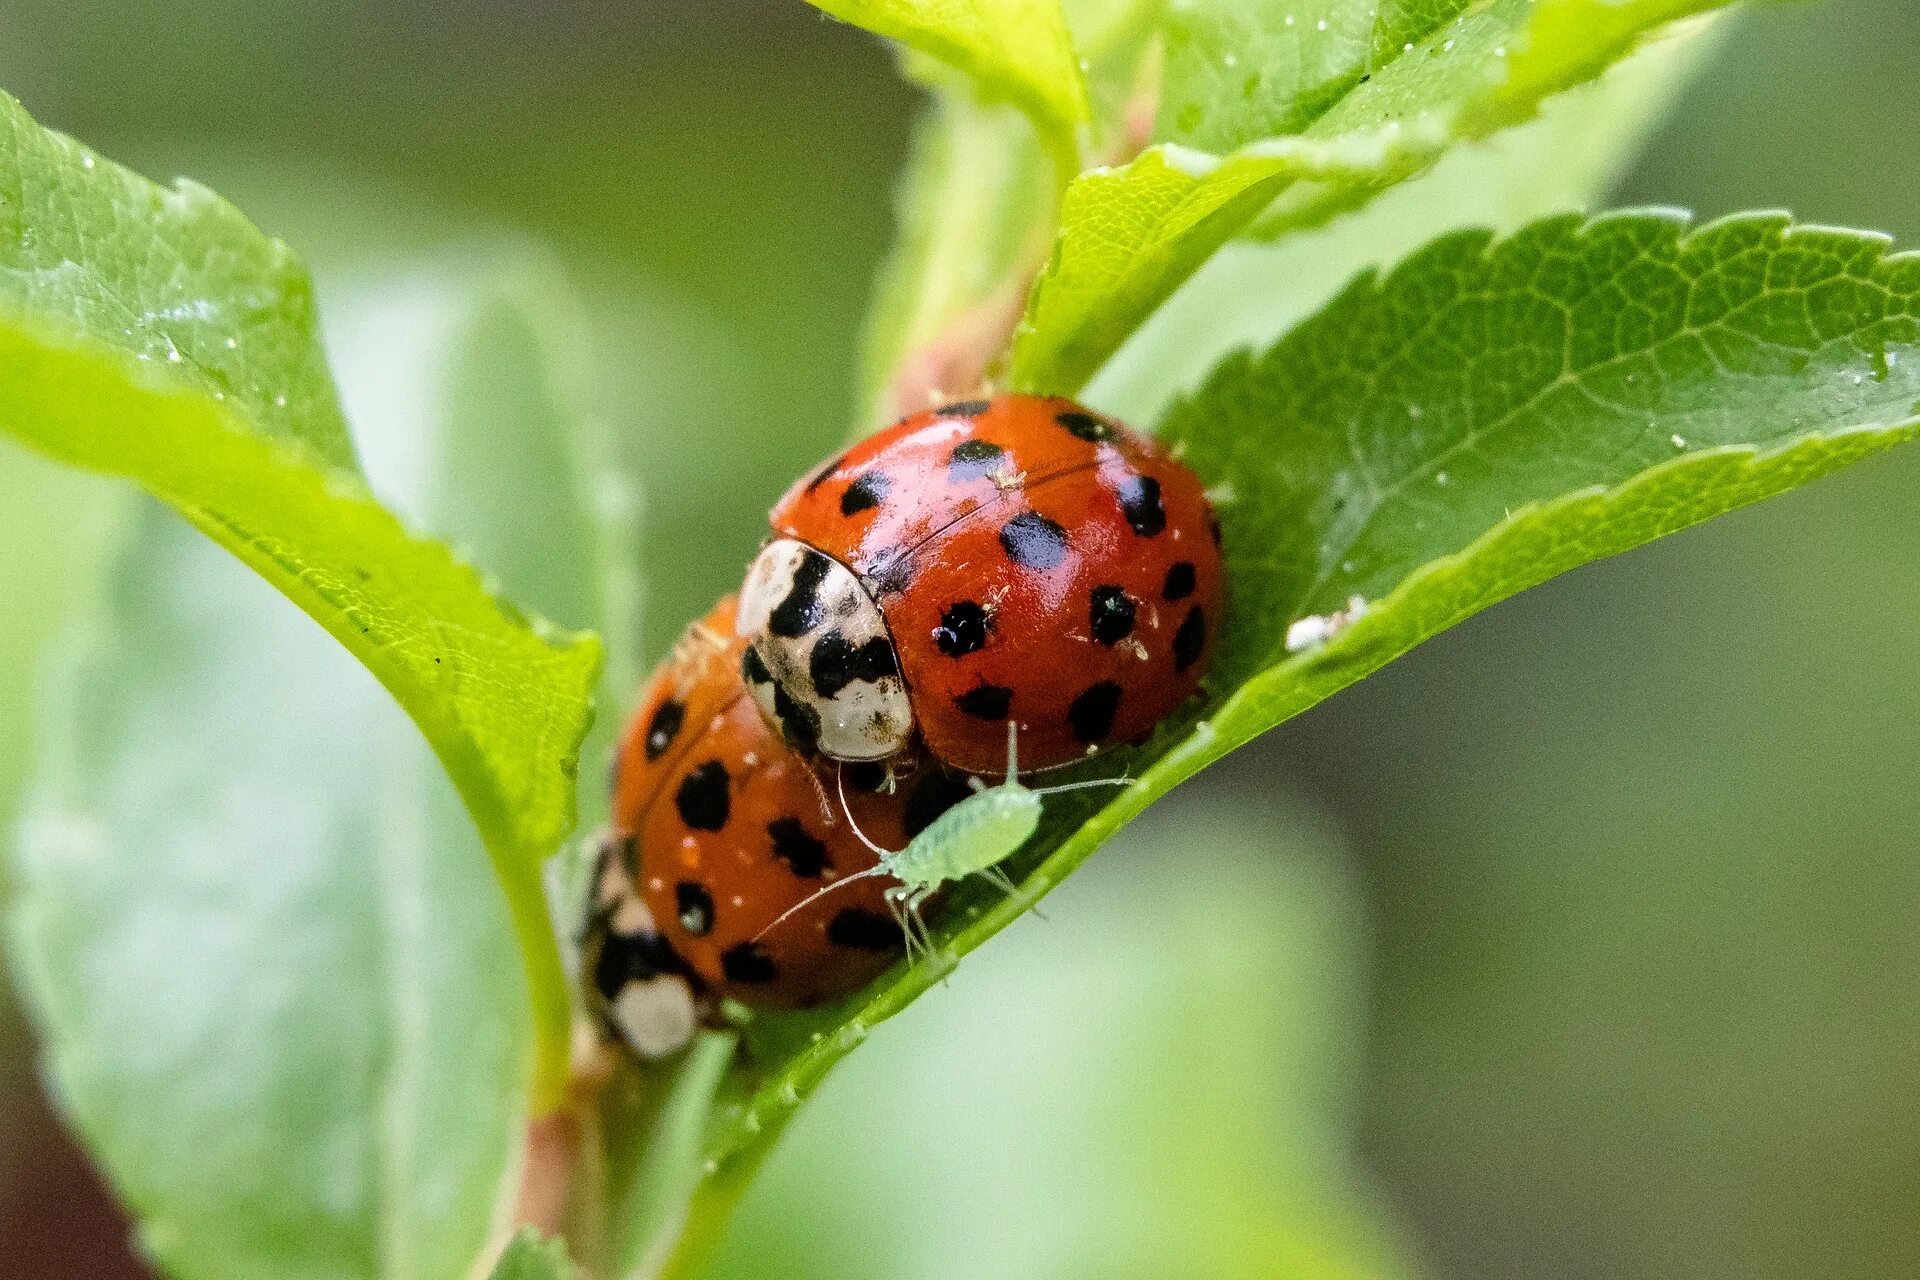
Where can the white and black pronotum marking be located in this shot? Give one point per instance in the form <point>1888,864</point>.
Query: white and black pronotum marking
<point>822,665</point>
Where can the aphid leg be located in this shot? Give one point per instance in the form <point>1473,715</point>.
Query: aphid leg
<point>915,898</point>
<point>896,900</point>
<point>999,880</point>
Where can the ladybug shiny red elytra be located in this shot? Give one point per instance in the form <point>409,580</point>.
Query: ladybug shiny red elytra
<point>1015,559</point>
<point>719,829</point>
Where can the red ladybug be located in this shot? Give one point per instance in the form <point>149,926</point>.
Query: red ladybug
<point>719,829</point>
<point>1018,559</point>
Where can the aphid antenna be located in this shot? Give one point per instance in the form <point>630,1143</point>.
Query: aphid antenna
<point>1081,786</point>
<point>815,896</point>
<point>840,785</point>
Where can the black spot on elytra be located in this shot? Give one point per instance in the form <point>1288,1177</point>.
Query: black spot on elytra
<point>1190,639</point>
<point>834,663</point>
<point>799,723</point>
<point>1140,503</point>
<point>748,962</point>
<point>932,796</point>
<point>972,459</point>
<point>1085,426</point>
<point>865,493</point>
<point>627,849</point>
<point>1213,528</point>
<point>1033,542</point>
<point>666,722</point>
<point>1091,714</point>
<point>986,701</point>
<point>694,905</point>
<point>820,477</point>
<point>1180,581</point>
<point>753,668</point>
<point>804,855</point>
<point>863,930</point>
<point>963,409</point>
<point>632,957</point>
<point>702,799</point>
<point>1110,615</point>
<point>801,611</point>
<point>963,629</point>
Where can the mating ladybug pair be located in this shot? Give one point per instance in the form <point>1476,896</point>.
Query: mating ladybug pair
<point>1009,562</point>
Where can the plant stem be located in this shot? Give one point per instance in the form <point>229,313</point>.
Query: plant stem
<point>552,1015</point>
<point>709,1212</point>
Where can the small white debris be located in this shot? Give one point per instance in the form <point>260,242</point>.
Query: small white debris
<point>86,162</point>
<point>1316,629</point>
<point>1679,442</point>
<point>1407,47</point>
<point>1499,51</point>
<point>232,343</point>
<point>1231,60</point>
<point>1441,478</point>
<point>1320,25</point>
<point>1222,494</point>
<point>281,401</point>
<point>1415,412</point>
<point>1289,19</point>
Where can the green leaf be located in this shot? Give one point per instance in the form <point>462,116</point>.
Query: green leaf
<point>1131,236</point>
<point>1231,1156</point>
<point>970,214</point>
<point>1237,73</point>
<point>153,334</point>
<point>1251,292</point>
<point>274,980</point>
<point>528,1257</point>
<point>974,217</point>
<point>1485,417</point>
<point>1018,51</point>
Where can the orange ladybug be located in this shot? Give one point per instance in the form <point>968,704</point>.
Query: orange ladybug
<point>719,830</point>
<point>1015,559</point>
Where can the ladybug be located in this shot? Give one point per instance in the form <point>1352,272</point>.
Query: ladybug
<point>1015,559</point>
<point>721,838</point>
<point>637,989</point>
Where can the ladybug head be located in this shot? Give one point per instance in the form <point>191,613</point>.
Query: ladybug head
<point>819,662</point>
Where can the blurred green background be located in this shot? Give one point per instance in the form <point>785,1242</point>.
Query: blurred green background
<point>1592,930</point>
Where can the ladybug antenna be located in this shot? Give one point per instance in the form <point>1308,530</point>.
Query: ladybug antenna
<point>840,785</point>
<point>820,794</point>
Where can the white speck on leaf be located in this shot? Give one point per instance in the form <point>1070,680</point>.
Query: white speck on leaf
<point>1316,629</point>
